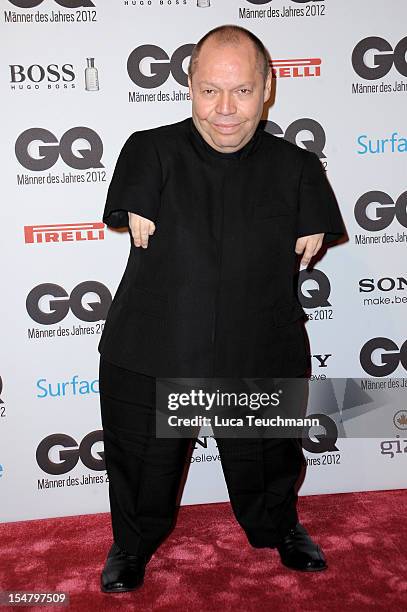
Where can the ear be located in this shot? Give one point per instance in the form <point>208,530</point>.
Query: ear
<point>267,86</point>
<point>190,87</point>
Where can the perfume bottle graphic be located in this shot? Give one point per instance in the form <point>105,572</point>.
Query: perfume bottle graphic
<point>91,75</point>
<point>203,3</point>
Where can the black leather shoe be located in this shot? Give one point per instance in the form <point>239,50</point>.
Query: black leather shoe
<point>299,552</point>
<point>123,571</point>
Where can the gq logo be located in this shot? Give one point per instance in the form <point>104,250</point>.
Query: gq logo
<point>373,66</point>
<point>48,303</point>
<point>38,149</point>
<point>384,213</point>
<point>69,457</point>
<point>326,441</point>
<point>313,297</point>
<point>27,4</point>
<point>149,74</point>
<point>390,356</point>
<point>318,138</point>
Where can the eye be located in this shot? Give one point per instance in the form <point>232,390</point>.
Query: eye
<point>245,90</point>
<point>208,91</point>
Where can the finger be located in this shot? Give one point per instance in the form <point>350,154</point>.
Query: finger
<point>144,230</point>
<point>152,228</point>
<point>308,253</point>
<point>317,246</point>
<point>312,247</point>
<point>135,230</point>
<point>300,245</point>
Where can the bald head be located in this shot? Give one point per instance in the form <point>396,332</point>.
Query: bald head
<point>232,35</point>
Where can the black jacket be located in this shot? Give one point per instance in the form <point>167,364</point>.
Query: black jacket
<point>214,293</point>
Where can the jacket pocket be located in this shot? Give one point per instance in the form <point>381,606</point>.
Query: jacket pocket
<point>154,304</point>
<point>266,209</point>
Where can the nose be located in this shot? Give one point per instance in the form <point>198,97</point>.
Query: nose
<point>225,104</point>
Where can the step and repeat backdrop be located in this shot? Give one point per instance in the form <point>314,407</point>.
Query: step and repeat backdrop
<point>77,78</point>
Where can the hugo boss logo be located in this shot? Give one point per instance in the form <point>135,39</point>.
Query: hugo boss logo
<point>373,57</point>
<point>37,73</point>
<point>48,303</point>
<point>38,149</point>
<point>150,66</point>
<point>313,139</point>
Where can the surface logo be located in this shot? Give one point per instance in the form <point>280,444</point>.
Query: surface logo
<point>392,144</point>
<point>66,388</point>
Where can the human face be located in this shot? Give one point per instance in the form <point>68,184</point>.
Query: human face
<point>228,94</point>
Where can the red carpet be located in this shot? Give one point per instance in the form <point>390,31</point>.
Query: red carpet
<point>206,563</point>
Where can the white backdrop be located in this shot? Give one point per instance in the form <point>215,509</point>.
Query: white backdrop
<point>61,265</point>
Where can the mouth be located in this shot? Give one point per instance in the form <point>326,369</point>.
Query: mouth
<point>226,127</point>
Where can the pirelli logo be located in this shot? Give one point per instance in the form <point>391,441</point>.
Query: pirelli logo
<point>304,67</point>
<point>64,232</point>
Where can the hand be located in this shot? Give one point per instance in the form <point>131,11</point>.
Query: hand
<point>310,245</point>
<point>141,228</point>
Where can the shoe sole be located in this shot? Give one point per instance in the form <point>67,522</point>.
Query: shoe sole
<point>120,589</point>
<point>306,569</point>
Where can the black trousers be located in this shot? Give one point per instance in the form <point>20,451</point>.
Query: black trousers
<point>145,472</point>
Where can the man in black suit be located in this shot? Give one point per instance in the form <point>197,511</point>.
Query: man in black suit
<point>220,209</point>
